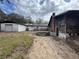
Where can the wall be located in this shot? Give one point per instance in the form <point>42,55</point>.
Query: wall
<point>14,27</point>
<point>53,25</point>
<point>21,28</point>
<point>3,27</point>
<point>72,25</point>
<point>63,35</point>
<point>61,25</point>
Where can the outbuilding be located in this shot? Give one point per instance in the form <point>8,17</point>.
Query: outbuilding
<point>65,24</point>
<point>11,27</point>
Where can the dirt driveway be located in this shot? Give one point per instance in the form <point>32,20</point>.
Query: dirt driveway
<point>48,48</point>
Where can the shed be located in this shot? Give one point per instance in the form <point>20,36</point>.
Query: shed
<point>64,24</point>
<point>12,27</point>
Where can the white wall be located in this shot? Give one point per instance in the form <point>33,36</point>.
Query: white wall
<point>63,35</point>
<point>21,28</point>
<point>3,27</point>
<point>15,27</point>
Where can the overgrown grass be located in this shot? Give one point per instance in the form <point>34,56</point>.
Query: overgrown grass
<point>9,41</point>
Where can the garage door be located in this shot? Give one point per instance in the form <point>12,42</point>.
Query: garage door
<point>8,27</point>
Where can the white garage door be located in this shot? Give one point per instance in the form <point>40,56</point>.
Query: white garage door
<point>8,27</point>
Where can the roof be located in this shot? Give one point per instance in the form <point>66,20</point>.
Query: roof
<point>39,25</point>
<point>50,21</point>
<point>12,22</point>
<point>74,14</point>
<point>7,22</point>
<point>69,13</point>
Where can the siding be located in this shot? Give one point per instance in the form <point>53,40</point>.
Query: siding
<point>21,28</point>
<point>2,27</point>
<point>15,27</point>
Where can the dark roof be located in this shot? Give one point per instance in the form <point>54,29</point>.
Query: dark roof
<point>70,13</point>
<point>50,21</point>
<point>11,22</point>
<point>7,22</point>
<point>74,14</point>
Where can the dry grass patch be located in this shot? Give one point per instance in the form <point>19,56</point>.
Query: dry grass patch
<point>10,41</point>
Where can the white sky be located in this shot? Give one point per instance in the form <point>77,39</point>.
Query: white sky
<point>34,9</point>
<point>64,6</point>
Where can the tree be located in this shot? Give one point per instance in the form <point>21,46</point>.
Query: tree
<point>39,21</point>
<point>16,18</point>
<point>2,16</point>
<point>29,20</point>
<point>45,22</point>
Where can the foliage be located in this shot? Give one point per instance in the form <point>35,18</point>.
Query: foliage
<point>39,21</point>
<point>29,20</point>
<point>16,18</point>
<point>20,19</point>
<point>12,18</point>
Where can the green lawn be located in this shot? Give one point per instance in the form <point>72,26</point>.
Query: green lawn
<point>9,41</point>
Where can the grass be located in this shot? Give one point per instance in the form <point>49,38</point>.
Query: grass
<point>9,41</point>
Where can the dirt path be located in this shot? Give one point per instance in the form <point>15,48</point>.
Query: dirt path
<point>47,48</point>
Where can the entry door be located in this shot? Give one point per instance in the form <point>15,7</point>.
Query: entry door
<point>8,27</point>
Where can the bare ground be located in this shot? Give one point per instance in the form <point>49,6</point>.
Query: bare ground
<point>19,52</point>
<point>46,48</point>
<point>49,48</point>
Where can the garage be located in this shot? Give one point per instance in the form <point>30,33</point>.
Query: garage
<point>12,27</point>
<point>8,27</point>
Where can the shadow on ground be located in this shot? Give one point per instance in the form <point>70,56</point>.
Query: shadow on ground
<point>72,42</point>
<point>42,34</point>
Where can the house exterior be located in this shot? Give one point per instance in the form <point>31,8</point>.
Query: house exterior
<point>12,27</point>
<point>64,24</point>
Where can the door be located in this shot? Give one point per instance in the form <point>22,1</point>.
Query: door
<point>9,27</point>
<point>57,31</point>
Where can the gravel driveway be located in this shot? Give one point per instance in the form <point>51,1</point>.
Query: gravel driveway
<point>48,48</point>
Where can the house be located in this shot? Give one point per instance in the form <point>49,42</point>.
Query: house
<point>65,24</point>
<point>7,26</point>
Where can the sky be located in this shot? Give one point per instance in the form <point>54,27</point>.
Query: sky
<point>7,6</point>
<point>38,8</point>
